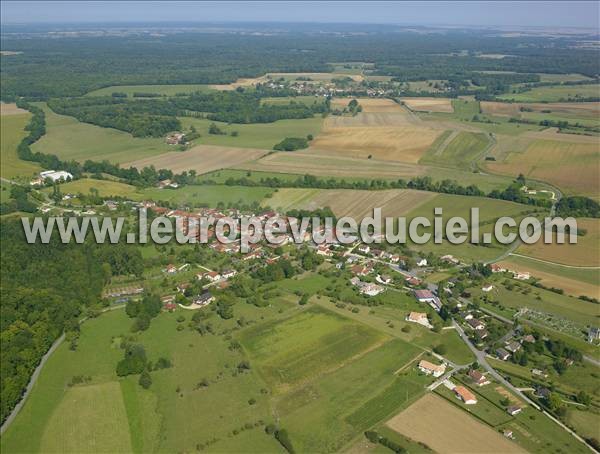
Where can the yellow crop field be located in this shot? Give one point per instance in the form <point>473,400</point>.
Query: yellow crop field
<point>429,104</point>
<point>349,202</point>
<point>404,144</point>
<point>369,104</point>
<point>571,165</point>
<point>202,159</point>
<point>447,429</point>
<point>585,253</point>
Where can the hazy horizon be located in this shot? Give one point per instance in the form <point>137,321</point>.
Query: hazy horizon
<point>580,14</point>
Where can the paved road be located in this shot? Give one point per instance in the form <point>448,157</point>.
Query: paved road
<point>38,370</point>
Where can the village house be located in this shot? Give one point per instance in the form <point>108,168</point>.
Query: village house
<point>414,281</point>
<point>364,248</point>
<point>478,378</point>
<point>167,299</point>
<point>502,354</point>
<point>170,269</point>
<point>226,274</point>
<point>487,288</point>
<point>476,324</point>
<point>394,258</point>
<point>465,395</point>
<point>384,279</point>
<point>539,373</point>
<point>324,249</point>
<point>521,276</point>
<point>542,393</point>
<point>426,296</point>
<point>529,339</point>
<point>513,346</point>
<point>593,334</point>
<point>175,138</point>
<point>361,270</point>
<point>421,262</point>
<point>420,318</point>
<point>497,268</point>
<point>514,410</point>
<point>481,334</point>
<point>203,299</point>
<point>367,288</point>
<point>181,288</point>
<point>431,369</point>
<point>508,433</point>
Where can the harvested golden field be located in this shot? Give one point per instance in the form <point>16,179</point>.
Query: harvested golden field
<point>404,144</point>
<point>11,109</point>
<point>572,166</point>
<point>574,281</point>
<point>585,253</point>
<point>334,166</point>
<point>574,109</point>
<point>369,104</point>
<point>447,429</point>
<point>202,159</point>
<point>350,202</point>
<point>371,119</point>
<point>500,108</point>
<point>429,104</point>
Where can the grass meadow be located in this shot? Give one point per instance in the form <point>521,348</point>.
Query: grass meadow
<point>69,139</point>
<point>554,93</point>
<point>11,133</point>
<point>165,90</point>
<point>205,195</point>
<point>259,135</point>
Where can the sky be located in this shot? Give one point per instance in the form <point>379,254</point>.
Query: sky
<point>477,13</point>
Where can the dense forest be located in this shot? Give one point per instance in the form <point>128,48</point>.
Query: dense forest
<point>76,65</point>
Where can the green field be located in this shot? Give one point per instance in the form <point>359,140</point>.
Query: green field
<point>205,195</point>
<point>554,93</point>
<point>11,133</point>
<point>326,414</point>
<point>69,139</point>
<point>91,417</point>
<point>308,100</point>
<point>565,306</point>
<point>462,151</point>
<point>166,90</point>
<point>544,77</point>
<point>258,135</point>
<point>489,211</point>
<point>306,346</point>
<point>106,188</point>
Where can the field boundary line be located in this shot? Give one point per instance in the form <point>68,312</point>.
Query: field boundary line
<point>555,263</point>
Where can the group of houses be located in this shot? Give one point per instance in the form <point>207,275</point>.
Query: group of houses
<point>55,176</point>
<point>518,275</point>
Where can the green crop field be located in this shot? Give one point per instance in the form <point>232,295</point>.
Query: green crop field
<point>306,345</point>
<point>205,195</point>
<point>308,100</point>
<point>259,135</point>
<point>68,139</point>
<point>11,133</point>
<point>317,415</point>
<point>555,93</point>
<point>562,77</point>
<point>166,90</point>
<point>489,211</point>
<point>462,151</point>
